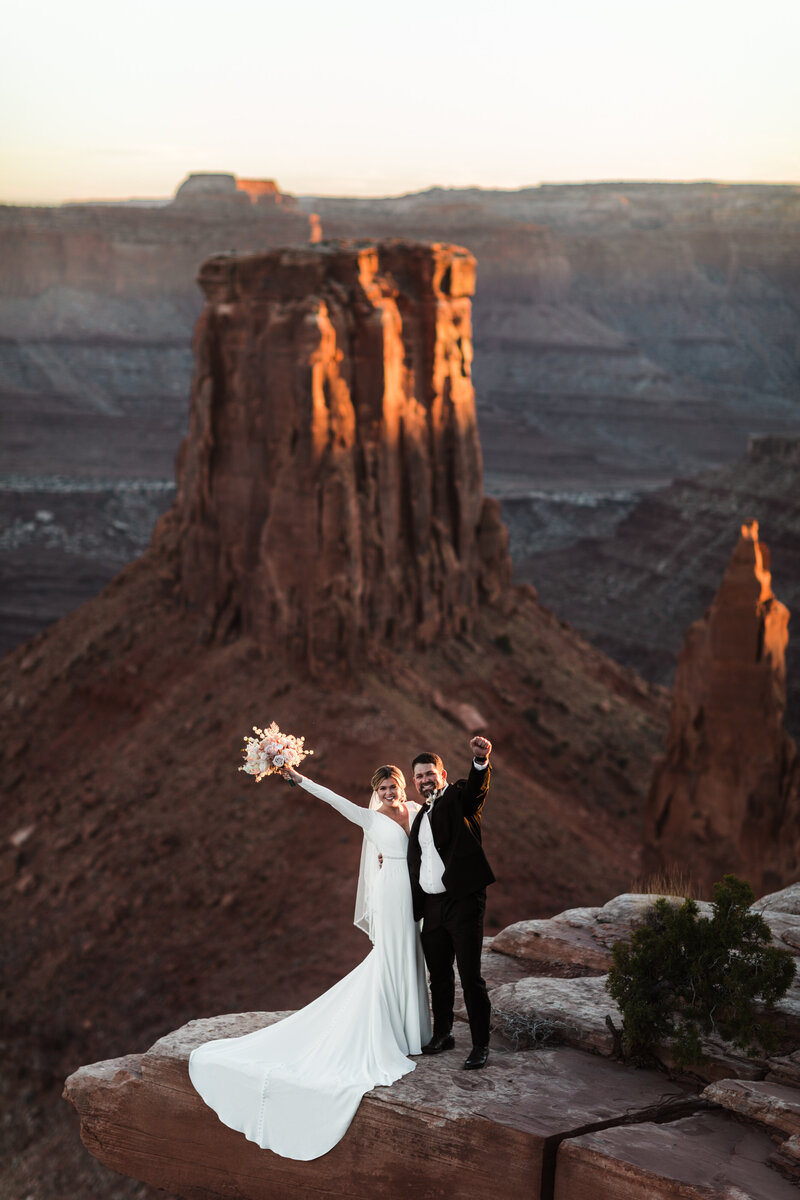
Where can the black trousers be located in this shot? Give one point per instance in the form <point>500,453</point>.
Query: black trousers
<point>453,929</point>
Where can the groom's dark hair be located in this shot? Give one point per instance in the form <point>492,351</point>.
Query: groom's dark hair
<point>428,757</point>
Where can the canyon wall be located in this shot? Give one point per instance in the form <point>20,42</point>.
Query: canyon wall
<point>129,252</point>
<point>726,795</point>
<point>624,334</point>
<point>330,492</point>
<point>97,306</point>
<point>633,586</point>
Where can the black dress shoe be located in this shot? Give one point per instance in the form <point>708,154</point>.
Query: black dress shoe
<point>477,1058</point>
<point>445,1041</point>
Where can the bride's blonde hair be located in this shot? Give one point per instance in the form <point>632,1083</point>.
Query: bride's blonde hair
<point>389,772</point>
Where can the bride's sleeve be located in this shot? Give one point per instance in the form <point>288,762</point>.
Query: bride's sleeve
<point>354,812</point>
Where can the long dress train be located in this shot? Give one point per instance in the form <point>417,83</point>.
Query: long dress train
<point>294,1087</point>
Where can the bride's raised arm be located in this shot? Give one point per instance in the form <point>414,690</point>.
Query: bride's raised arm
<point>354,812</point>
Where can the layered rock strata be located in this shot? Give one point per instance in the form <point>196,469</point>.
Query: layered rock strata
<point>726,795</point>
<point>637,583</point>
<point>330,490</point>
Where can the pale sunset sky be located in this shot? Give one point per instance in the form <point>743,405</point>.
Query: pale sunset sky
<point>105,100</point>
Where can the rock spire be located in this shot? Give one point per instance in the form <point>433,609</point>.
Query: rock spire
<point>330,491</point>
<point>725,797</point>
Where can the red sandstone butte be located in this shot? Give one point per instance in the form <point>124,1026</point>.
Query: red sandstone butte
<point>330,494</point>
<point>726,795</point>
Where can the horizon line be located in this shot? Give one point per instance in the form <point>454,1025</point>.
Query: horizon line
<point>367,196</point>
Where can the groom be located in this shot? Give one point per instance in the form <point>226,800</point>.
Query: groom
<point>449,874</point>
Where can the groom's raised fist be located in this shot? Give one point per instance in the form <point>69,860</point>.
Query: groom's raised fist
<point>481,747</point>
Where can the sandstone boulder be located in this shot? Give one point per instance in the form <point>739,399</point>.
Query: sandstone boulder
<point>786,1159</point>
<point>787,900</point>
<point>581,938</point>
<point>538,1011</point>
<point>770,1105</point>
<point>580,1013</point>
<point>785,1069</point>
<point>580,941</point>
<point>773,1105</point>
<point>535,1008</point>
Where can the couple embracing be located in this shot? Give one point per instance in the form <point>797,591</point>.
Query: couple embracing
<point>294,1086</point>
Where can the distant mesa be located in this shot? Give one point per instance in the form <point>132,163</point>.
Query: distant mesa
<point>204,189</point>
<point>726,795</point>
<point>207,183</point>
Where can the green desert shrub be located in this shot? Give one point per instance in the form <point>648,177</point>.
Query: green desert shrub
<point>682,976</point>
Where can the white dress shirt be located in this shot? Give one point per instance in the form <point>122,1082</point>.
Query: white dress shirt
<point>431,867</point>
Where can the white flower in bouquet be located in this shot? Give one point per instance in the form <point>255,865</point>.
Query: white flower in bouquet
<point>270,750</point>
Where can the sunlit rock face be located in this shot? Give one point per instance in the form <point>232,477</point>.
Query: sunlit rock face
<point>726,795</point>
<point>330,490</point>
<point>203,189</point>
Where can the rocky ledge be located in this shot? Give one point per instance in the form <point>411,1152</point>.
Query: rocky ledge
<point>439,1130</point>
<point>551,1121</point>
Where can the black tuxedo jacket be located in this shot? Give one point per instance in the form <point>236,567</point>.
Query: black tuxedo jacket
<point>456,829</point>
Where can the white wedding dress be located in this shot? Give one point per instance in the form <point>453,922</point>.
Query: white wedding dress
<point>294,1087</point>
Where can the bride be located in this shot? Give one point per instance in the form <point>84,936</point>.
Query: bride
<point>294,1087</point>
